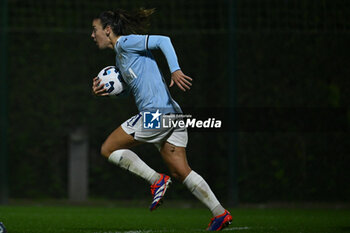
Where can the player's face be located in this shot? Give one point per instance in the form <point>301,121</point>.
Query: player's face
<point>99,35</point>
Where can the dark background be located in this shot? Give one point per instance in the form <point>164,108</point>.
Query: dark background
<point>289,55</point>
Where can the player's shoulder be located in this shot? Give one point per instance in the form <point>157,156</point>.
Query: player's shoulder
<point>131,39</point>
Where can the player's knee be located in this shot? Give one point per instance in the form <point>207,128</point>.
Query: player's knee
<point>175,175</point>
<point>105,151</point>
<point>179,175</point>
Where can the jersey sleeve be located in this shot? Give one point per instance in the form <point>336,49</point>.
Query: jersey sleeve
<point>141,43</point>
<point>164,43</point>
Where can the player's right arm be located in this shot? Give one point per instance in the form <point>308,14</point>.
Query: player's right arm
<point>177,76</point>
<point>137,43</point>
<point>97,88</point>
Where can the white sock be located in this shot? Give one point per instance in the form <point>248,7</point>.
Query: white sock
<point>130,161</point>
<point>200,189</point>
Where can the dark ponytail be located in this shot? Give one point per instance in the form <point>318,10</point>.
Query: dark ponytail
<point>124,23</point>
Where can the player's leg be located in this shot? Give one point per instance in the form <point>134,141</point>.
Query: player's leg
<point>176,160</point>
<point>117,140</point>
<point>116,149</point>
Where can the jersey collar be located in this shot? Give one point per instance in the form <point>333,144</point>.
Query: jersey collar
<point>116,43</point>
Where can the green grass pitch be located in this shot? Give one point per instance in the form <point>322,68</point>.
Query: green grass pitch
<point>78,219</point>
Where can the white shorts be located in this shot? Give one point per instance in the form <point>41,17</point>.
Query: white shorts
<point>134,126</point>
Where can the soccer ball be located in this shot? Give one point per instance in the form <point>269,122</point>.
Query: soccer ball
<point>112,79</point>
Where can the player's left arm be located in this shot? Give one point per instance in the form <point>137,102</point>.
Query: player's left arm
<point>164,44</point>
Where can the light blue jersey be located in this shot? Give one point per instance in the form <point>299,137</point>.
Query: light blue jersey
<point>141,73</point>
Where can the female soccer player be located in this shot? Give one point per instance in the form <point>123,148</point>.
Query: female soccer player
<point>117,30</point>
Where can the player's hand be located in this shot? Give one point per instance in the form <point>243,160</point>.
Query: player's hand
<point>97,88</point>
<point>181,80</point>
